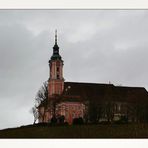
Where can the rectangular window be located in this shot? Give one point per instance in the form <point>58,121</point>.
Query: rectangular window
<point>57,69</point>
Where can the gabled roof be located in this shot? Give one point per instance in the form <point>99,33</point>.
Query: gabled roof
<point>97,92</point>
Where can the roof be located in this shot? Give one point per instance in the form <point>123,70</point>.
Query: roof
<point>55,57</point>
<point>97,92</point>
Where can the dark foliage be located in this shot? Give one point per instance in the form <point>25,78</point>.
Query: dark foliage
<point>60,119</point>
<point>122,120</point>
<point>95,111</point>
<point>78,121</point>
<point>53,120</point>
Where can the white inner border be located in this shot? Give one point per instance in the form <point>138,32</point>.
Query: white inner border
<point>73,4</point>
<point>75,143</point>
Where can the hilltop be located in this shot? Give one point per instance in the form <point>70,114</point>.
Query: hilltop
<point>77,131</point>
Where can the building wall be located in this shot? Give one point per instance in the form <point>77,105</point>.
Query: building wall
<point>71,110</point>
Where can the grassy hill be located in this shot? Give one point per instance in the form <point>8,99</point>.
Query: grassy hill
<point>77,131</point>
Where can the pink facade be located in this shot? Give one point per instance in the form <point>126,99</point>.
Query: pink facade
<point>56,81</point>
<point>71,110</point>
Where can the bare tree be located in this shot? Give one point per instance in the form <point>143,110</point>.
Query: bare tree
<point>53,101</point>
<point>109,110</point>
<point>109,104</point>
<point>41,100</point>
<point>34,111</point>
<point>42,94</point>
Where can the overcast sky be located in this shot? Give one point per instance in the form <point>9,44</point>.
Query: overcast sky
<point>96,45</point>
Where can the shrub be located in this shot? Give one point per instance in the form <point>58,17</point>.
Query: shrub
<point>122,120</point>
<point>78,121</point>
<point>53,120</point>
<point>61,119</point>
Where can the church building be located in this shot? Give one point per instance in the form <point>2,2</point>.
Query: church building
<point>73,99</point>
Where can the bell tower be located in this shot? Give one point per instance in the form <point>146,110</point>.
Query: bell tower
<point>56,80</point>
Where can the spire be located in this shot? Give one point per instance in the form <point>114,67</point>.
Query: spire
<point>56,54</point>
<point>56,37</point>
<point>56,47</point>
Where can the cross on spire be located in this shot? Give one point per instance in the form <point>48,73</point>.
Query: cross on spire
<point>56,37</point>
